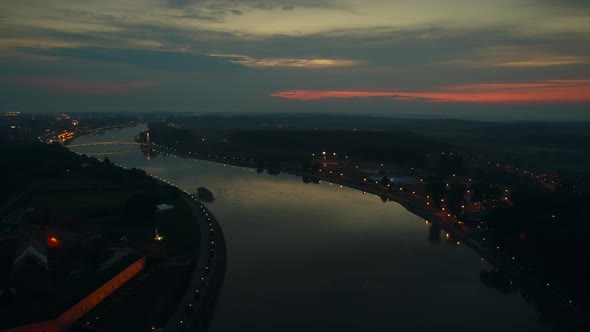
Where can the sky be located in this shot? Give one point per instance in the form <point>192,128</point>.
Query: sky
<point>474,59</point>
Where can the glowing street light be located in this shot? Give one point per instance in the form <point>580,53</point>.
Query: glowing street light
<point>158,237</point>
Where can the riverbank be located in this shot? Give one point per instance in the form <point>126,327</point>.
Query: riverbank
<point>539,290</point>
<point>93,131</point>
<point>196,307</point>
<point>547,298</point>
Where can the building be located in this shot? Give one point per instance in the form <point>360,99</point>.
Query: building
<point>164,207</point>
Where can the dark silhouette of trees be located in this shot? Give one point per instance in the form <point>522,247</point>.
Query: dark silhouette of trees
<point>455,198</point>
<point>184,136</point>
<point>436,188</point>
<point>450,164</point>
<point>485,194</point>
<point>497,280</point>
<point>139,208</point>
<point>259,166</point>
<point>273,171</point>
<point>306,166</point>
<point>434,233</point>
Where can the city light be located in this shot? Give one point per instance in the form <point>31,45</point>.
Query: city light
<point>158,237</point>
<point>53,242</point>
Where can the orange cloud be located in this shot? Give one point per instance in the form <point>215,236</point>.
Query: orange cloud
<point>550,91</point>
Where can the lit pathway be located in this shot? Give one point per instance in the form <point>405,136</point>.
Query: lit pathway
<point>195,309</point>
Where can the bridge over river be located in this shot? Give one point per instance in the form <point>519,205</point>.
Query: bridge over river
<point>88,148</point>
<point>107,143</point>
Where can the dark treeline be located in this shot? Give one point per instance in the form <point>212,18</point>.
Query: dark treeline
<point>538,146</point>
<point>549,233</point>
<point>396,147</point>
<point>29,164</point>
<point>275,146</point>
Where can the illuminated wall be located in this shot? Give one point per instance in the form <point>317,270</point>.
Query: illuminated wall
<point>46,326</point>
<point>65,320</point>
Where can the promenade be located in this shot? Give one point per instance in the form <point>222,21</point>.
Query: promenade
<point>197,306</point>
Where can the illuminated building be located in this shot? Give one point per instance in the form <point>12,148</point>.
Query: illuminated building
<point>66,136</point>
<point>41,273</point>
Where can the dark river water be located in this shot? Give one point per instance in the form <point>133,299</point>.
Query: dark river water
<point>320,257</point>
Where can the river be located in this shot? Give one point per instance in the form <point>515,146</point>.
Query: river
<point>321,257</point>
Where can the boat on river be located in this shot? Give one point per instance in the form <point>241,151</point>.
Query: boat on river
<point>205,194</point>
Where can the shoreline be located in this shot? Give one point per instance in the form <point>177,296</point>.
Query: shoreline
<point>541,293</point>
<point>195,309</point>
<point>196,306</point>
<point>92,131</point>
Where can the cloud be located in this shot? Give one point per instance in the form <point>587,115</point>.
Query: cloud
<point>152,59</point>
<point>519,56</point>
<point>542,92</point>
<point>287,62</point>
<point>259,4</point>
<point>66,86</point>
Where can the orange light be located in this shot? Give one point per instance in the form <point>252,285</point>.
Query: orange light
<point>53,242</point>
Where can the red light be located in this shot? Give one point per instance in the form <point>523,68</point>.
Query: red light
<point>53,242</point>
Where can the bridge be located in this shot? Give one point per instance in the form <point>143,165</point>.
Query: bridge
<point>133,147</point>
<point>107,143</point>
<point>108,153</point>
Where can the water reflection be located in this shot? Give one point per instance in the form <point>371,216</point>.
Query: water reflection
<point>497,280</point>
<point>434,234</point>
<point>322,257</point>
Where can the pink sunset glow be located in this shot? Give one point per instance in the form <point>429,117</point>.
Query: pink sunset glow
<point>550,91</point>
